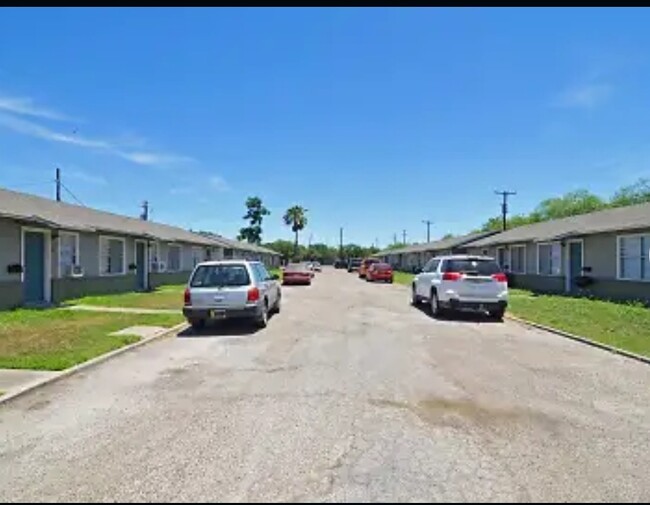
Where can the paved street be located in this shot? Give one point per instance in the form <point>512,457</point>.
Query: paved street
<point>349,394</point>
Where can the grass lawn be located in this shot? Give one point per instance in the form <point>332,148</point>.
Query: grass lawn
<point>55,339</point>
<point>402,278</point>
<point>164,297</point>
<point>626,326</point>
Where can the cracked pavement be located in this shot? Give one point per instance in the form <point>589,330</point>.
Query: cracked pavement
<point>349,395</point>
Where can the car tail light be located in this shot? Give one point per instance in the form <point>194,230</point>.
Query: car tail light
<point>500,277</point>
<point>253,295</point>
<point>451,276</point>
<point>187,299</point>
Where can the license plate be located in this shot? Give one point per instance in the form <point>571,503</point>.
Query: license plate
<point>217,314</point>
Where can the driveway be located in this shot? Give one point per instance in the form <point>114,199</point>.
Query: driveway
<point>349,394</point>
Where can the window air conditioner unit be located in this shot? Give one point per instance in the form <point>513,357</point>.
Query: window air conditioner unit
<point>76,271</point>
<point>162,267</point>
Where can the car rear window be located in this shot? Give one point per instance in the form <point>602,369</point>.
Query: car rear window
<point>212,276</point>
<point>473,266</point>
<point>382,267</point>
<point>295,268</point>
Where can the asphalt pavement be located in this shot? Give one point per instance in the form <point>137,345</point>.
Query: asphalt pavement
<point>350,394</point>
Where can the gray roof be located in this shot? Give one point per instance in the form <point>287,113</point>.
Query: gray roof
<point>438,245</point>
<point>60,215</point>
<point>236,244</point>
<point>634,217</point>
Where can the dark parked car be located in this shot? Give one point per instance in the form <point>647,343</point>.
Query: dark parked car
<point>340,263</point>
<point>354,264</point>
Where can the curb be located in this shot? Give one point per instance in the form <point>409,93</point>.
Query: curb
<point>593,343</point>
<point>90,363</point>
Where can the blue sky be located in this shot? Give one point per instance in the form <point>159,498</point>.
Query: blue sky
<point>373,119</point>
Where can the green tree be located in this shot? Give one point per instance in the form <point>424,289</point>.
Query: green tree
<point>284,247</point>
<point>296,218</point>
<point>639,192</point>
<point>255,215</point>
<point>571,204</point>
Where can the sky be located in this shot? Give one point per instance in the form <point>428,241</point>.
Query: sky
<point>374,119</point>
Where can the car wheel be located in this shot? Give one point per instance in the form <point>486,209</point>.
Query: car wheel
<point>278,303</point>
<point>436,311</point>
<point>390,281</point>
<point>197,324</point>
<point>497,315</point>
<point>415,300</point>
<point>263,319</point>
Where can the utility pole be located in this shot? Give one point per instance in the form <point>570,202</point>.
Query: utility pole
<point>341,242</point>
<point>404,237</point>
<point>428,223</point>
<point>145,211</point>
<point>504,206</point>
<point>58,184</point>
<point>394,238</point>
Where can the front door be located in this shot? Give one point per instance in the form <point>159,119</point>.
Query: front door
<point>575,263</point>
<point>34,274</point>
<point>141,265</point>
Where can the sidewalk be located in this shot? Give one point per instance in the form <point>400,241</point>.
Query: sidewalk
<point>11,380</point>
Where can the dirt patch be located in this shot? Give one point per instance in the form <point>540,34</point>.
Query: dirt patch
<point>458,412</point>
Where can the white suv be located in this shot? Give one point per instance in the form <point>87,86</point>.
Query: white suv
<point>462,282</point>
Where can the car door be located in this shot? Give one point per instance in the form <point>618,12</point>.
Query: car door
<point>426,278</point>
<point>266,284</point>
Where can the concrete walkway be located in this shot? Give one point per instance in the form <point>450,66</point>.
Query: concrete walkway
<point>11,380</point>
<point>128,310</point>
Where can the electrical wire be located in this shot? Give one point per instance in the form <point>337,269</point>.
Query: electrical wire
<point>72,195</point>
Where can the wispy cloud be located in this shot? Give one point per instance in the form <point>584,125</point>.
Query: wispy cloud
<point>25,107</point>
<point>586,96</point>
<point>86,177</point>
<point>217,182</point>
<point>32,129</point>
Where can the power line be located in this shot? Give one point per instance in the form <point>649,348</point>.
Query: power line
<point>72,194</point>
<point>504,206</point>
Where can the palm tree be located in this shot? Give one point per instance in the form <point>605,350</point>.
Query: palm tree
<point>296,218</point>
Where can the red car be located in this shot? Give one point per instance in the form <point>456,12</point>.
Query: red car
<point>379,272</point>
<point>297,273</point>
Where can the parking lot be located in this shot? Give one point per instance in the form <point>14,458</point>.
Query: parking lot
<point>349,394</point>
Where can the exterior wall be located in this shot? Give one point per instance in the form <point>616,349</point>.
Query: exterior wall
<point>10,250</point>
<point>159,279</point>
<point>601,255</point>
<point>76,287</point>
<point>11,294</point>
<point>539,283</point>
<point>619,290</point>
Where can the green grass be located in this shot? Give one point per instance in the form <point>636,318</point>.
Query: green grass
<point>403,278</point>
<point>626,326</point>
<point>164,297</point>
<point>275,271</point>
<point>55,339</point>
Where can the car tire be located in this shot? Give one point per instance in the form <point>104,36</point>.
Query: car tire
<point>434,305</point>
<point>390,281</point>
<point>197,324</point>
<point>415,299</point>
<point>276,309</point>
<point>497,315</point>
<point>262,319</point>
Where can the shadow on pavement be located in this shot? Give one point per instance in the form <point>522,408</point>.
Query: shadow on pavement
<point>233,328</point>
<point>461,317</point>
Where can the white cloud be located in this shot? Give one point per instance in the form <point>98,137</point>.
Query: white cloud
<point>584,97</point>
<point>32,129</point>
<point>25,107</point>
<point>217,182</point>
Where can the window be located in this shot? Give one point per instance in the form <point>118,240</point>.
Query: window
<point>197,255</point>
<point>476,266</point>
<point>518,259</point>
<point>633,261</point>
<point>111,256</point>
<point>502,257</point>
<point>174,258</point>
<point>210,276</point>
<point>549,259</point>
<point>431,266</point>
<point>68,252</point>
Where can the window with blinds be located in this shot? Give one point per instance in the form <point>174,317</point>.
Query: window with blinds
<point>549,259</point>
<point>633,260</point>
<point>68,252</point>
<point>174,258</point>
<point>112,256</point>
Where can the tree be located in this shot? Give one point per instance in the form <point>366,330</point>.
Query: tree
<point>448,235</point>
<point>296,218</point>
<point>639,192</point>
<point>284,247</point>
<point>255,214</point>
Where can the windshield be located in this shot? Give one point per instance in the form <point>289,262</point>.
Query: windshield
<point>472,266</point>
<point>210,276</point>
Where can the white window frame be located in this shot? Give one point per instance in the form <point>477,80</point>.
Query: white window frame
<point>76,245</point>
<point>539,244</point>
<point>99,254</point>
<point>519,246</point>
<point>47,258</point>
<point>618,256</point>
<point>170,246</point>
<point>506,257</point>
